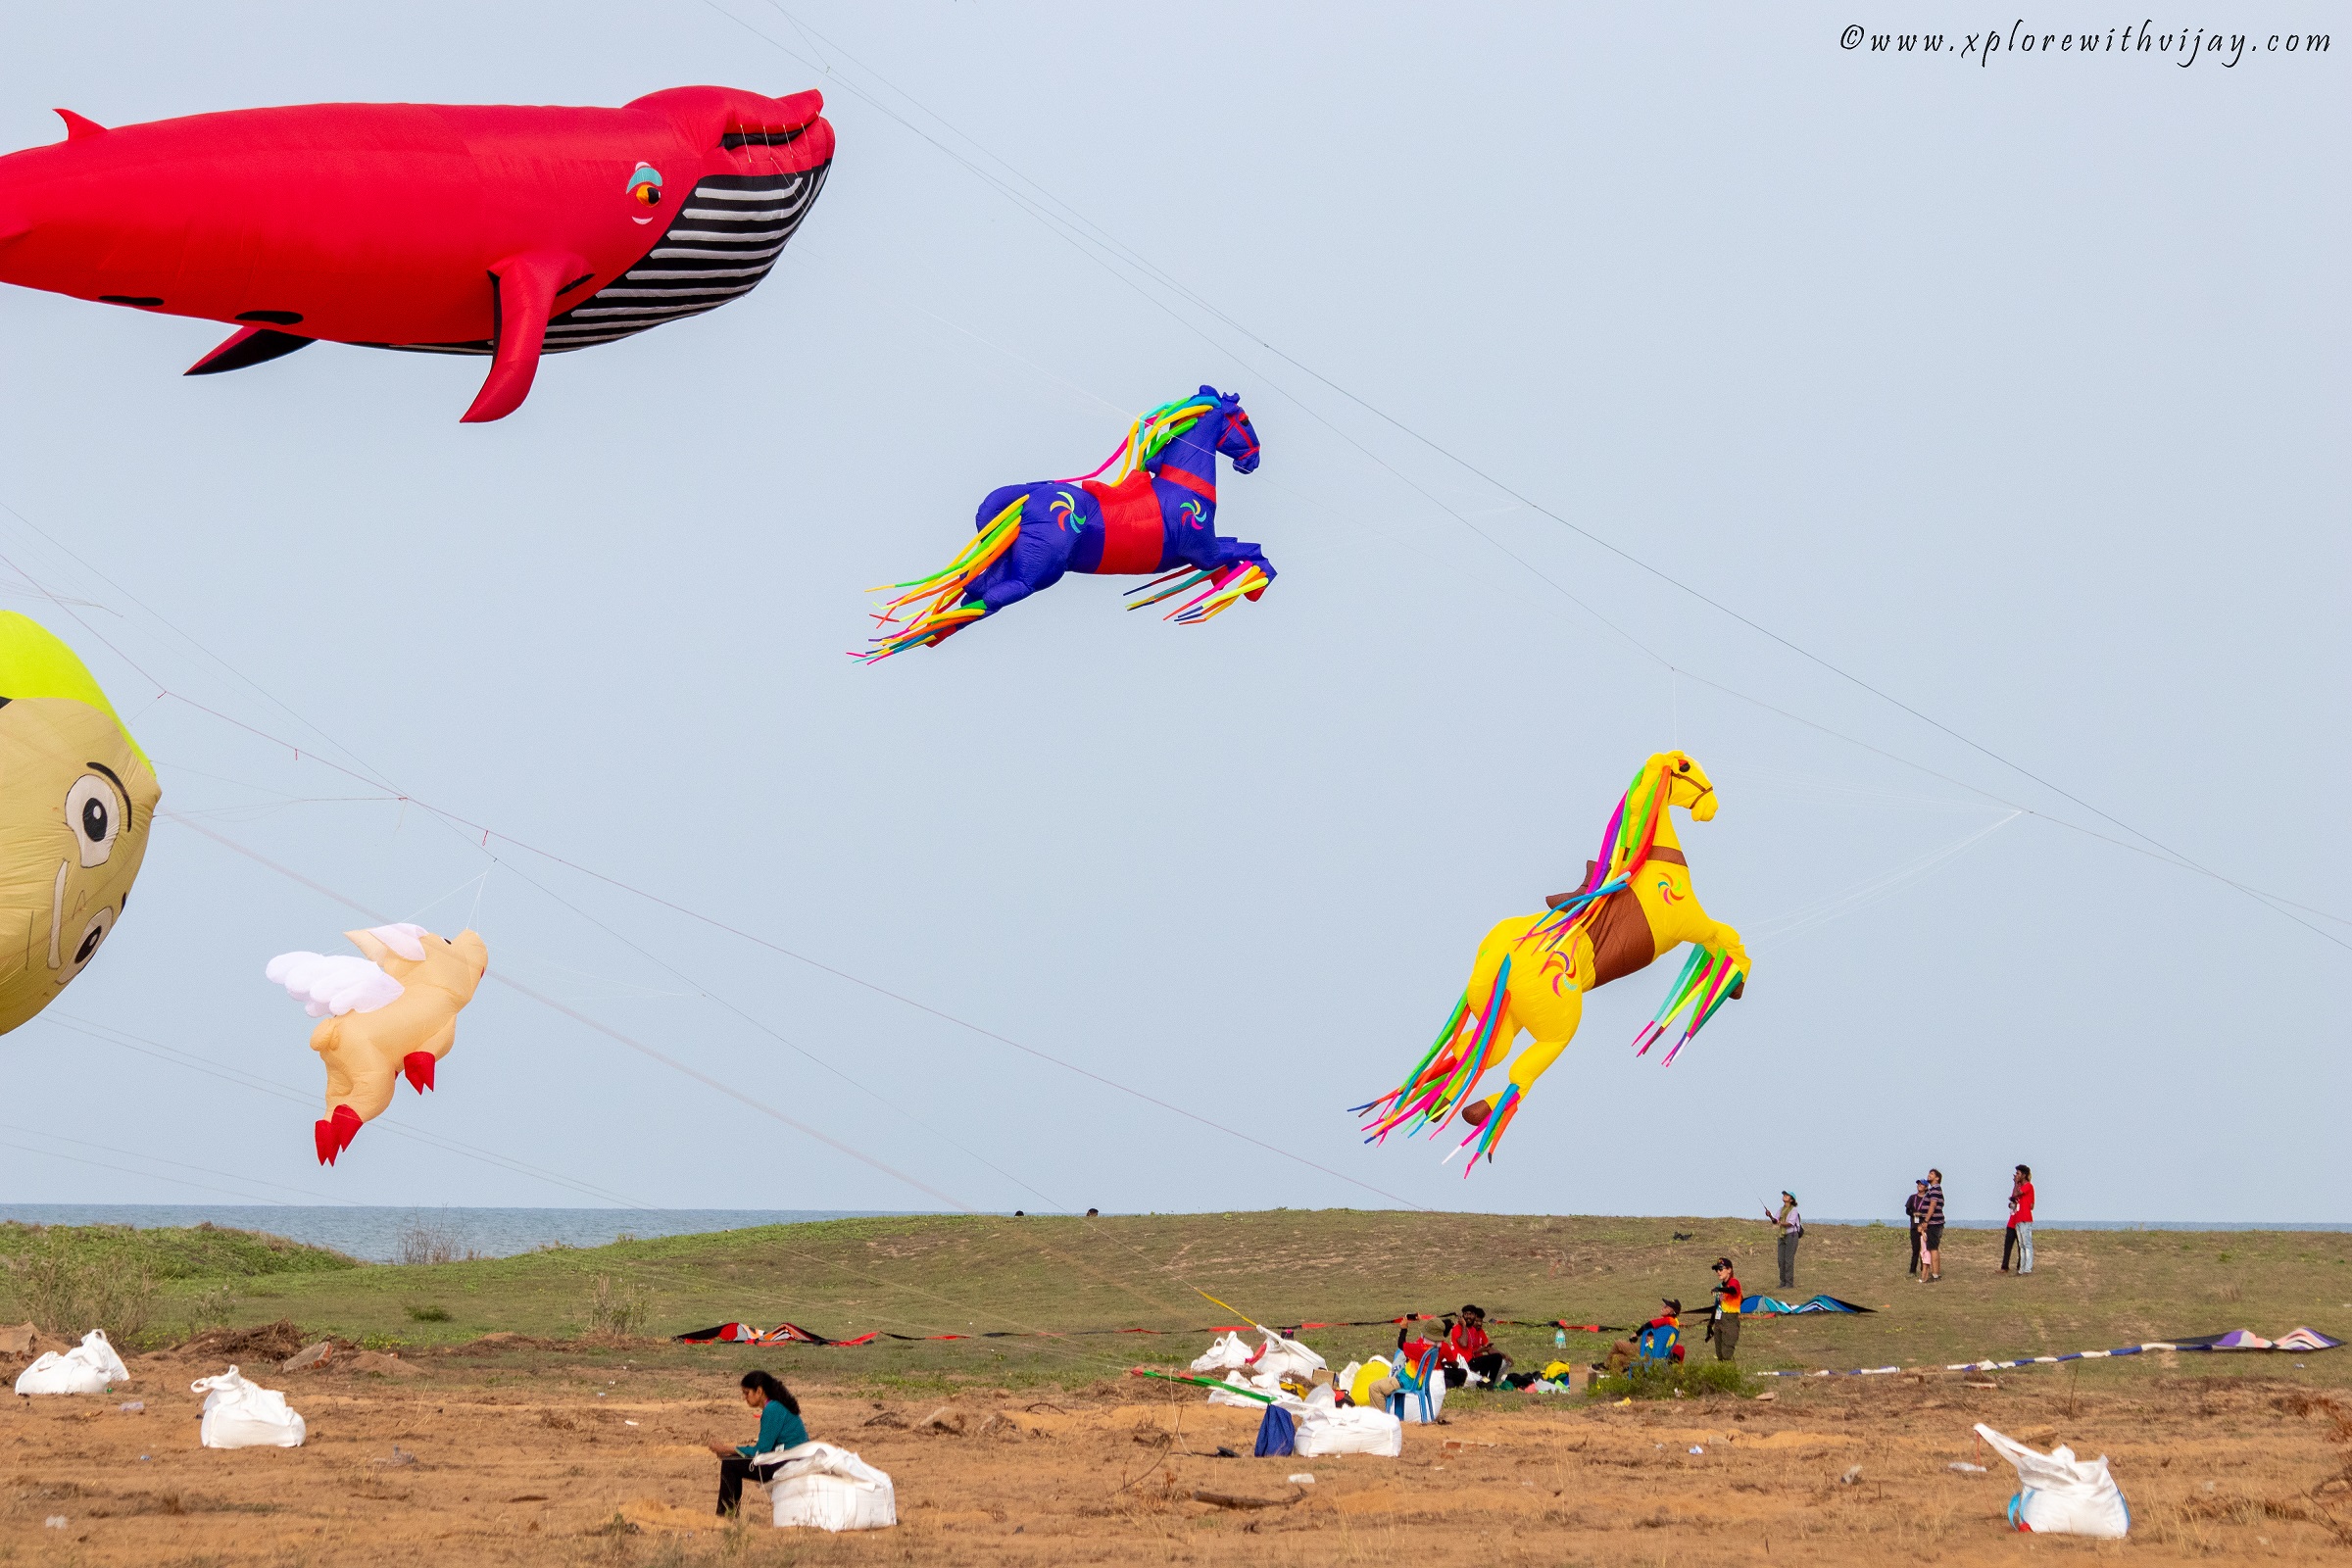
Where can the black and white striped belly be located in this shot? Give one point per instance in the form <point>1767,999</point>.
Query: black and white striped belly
<point>720,245</point>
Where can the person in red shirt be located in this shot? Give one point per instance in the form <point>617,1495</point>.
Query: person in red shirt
<point>2020,1236</point>
<point>1626,1351</point>
<point>1468,1351</point>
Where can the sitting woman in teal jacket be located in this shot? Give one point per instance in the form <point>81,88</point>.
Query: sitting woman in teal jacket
<point>779,1427</point>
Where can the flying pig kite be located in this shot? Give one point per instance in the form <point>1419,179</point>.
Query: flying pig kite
<point>392,1013</point>
<point>77,800</point>
<point>441,228</point>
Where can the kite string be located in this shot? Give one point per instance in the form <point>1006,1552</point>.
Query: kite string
<point>1065,231</point>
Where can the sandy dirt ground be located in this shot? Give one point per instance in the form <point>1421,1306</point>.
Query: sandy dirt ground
<point>566,1463</point>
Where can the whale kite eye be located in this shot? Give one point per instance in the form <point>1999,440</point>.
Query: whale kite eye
<point>644,186</point>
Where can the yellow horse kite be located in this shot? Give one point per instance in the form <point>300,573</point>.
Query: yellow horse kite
<point>1533,970</point>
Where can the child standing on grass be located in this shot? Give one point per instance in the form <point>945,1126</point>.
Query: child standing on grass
<point>1930,1231</point>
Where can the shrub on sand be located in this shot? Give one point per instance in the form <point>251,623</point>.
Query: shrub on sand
<point>620,1311</point>
<point>1667,1380</point>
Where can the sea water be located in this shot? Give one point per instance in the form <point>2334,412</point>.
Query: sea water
<point>376,1234</point>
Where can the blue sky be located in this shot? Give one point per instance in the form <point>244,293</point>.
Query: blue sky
<point>2012,391</point>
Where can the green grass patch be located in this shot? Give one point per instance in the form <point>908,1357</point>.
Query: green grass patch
<point>191,1252</point>
<point>977,1275</point>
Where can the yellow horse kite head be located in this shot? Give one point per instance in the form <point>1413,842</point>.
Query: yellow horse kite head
<point>1691,789</point>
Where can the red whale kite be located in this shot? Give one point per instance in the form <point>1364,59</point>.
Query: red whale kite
<point>485,229</point>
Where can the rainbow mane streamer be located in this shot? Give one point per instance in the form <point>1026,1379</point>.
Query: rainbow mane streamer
<point>945,613</point>
<point>1147,438</point>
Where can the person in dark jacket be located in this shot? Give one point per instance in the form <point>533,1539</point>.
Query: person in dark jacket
<point>780,1427</point>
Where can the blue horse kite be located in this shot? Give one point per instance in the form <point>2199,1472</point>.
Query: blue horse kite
<point>1157,513</point>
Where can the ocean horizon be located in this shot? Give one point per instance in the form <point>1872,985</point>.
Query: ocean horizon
<point>376,1234</point>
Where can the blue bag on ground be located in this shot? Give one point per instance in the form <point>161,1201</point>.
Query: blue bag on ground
<point>1276,1433</point>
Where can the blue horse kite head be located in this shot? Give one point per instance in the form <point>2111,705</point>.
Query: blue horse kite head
<point>1236,436</point>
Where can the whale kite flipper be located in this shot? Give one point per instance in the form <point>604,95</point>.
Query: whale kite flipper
<point>252,345</point>
<point>523,289</point>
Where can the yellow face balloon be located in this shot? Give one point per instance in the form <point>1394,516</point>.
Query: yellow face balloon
<point>76,799</point>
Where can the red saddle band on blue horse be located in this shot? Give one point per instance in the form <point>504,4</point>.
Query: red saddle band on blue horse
<point>1133,539</point>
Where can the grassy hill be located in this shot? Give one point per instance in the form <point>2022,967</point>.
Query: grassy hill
<point>974,1275</point>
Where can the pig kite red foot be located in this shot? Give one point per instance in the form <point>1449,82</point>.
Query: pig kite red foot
<point>334,1135</point>
<point>419,1066</point>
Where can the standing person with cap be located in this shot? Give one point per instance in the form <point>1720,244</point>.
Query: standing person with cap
<point>2020,1237</point>
<point>1913,1207</point>
<point>1930,1231</point>
<point>1792,1227</point>
<point>1724,1326</point>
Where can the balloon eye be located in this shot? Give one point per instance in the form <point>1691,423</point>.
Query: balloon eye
<point>647,193</point>
<point>1683,767</point>
<point>95,817</point>
<point>92,934</point>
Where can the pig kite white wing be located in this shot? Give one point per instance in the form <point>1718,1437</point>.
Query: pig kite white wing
<point>336,983</point>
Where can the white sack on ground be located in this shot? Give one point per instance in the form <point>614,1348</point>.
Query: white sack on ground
<point>90,1367</point>
<point>1277,1358</point>
<point>1280,1359</point>
<point>1348,1431</point>
<point>819,1486</point>
<point>240,1414</point>
<point>2060,1494</point>
<point>1224,1355</point>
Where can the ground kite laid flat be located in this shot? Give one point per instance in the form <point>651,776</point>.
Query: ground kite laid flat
<point>1533,970</point>
<point>1157,512</point>
<point>484,229</point>
<point>391,1012</point>
<point>76,799</point>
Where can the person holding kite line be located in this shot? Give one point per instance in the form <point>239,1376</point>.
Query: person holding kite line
<point>1791,1226</point>
<point>780,1428</point>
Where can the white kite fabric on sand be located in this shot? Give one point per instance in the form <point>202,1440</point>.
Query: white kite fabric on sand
<point>90,1367</point>
<point>2059,1495</point>
<point>2300,1340</point>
